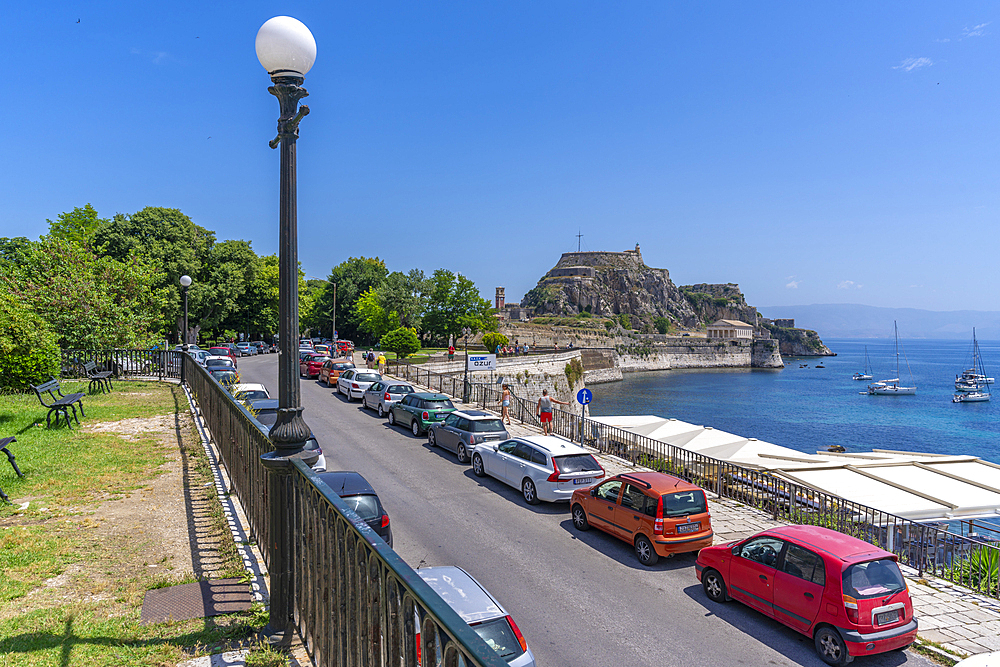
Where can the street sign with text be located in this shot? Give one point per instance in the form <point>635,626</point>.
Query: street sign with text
<point>482,362</point>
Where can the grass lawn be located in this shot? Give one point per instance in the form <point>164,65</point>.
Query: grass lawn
<point>73,578</point>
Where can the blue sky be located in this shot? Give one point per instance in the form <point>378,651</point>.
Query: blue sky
<point>811,153</point>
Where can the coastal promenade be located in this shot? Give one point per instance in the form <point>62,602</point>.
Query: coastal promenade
<point>960,621</point>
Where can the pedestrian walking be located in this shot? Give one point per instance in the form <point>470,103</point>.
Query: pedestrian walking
<point>544,411</point>
<point>505,405</point>
<point>381,363</point>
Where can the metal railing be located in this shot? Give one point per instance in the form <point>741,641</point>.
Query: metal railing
<point>928,548</point>
<point>356,602</point>
<point>123,363</point>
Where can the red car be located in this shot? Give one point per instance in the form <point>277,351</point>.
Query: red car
<point>310,364</point>
<point>846,594</point>
<point>345,348</point>
<point>220,351</point>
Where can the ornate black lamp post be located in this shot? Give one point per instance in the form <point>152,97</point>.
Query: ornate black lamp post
<point>185,283</point>
<point>287,50</point>
<point>466,387</point>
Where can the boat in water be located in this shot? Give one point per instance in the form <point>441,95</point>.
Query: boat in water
<point>893,387</point>
<point>973,385</point>
<point>867,373</point>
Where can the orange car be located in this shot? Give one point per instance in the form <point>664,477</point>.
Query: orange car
<point>331,370</point>
<point>661,515</point>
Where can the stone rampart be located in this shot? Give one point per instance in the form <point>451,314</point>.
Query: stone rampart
<point>527,376</point>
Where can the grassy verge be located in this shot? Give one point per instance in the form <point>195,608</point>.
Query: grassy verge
<point>74,576</point>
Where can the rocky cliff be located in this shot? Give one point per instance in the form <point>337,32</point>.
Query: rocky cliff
<point>798,342</point>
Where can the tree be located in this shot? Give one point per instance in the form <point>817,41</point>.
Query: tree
<point>353,277</point>
<point>372,315</point>
<point>454,303</point>
<point>89,302</point>
<point>402,341</point>
<point>77,226</point>
<point>662,324</point>
<point>624,321</point>
<point>29,353</point>
<point>169,240</point>
<point>492,339</point>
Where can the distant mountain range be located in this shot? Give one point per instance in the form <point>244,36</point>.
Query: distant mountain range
<point>842,320</point>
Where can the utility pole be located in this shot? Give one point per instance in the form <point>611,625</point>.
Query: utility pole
<point>333,334</point>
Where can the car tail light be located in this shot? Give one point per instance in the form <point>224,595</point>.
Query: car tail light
<point>385,520</point>
<point>425,415</point>
<point>658,521</point>
<point>354,385</point>
<point>517,633</point>
<point>387,396</point>
<point>554,477</point>
<point>851,606</point>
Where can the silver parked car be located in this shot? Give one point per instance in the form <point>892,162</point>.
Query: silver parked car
<point>461,431</point>
<point>482,611</point>
<point>354,382</point>
<point>381,395</point>
<point>544,467</point>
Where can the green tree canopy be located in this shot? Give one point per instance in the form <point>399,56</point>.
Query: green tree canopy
<point>29,353</point>
<point>492,339</point>
<point>403,341</point>
<point>454,304</point>
<point>372,316</point>
<point>353,277</point>
<point>77,226</point>
<point>89,302</point>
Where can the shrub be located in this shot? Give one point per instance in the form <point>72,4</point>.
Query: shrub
<point>28,350</point>
<point>624,321</point>
<point>662,324</point>
<point>492,339</point>
<point>574,371</point>
<point>609,324</point>
<point>402,341</point>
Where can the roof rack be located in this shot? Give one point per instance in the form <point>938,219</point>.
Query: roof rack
<point>637,481</point>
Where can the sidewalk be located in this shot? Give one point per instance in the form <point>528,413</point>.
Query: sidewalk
<point>954,617</point>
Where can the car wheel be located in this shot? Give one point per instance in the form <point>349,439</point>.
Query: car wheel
<point>461,454</point>
<point>392,418</point>
<point>831,647</point>
<point>645,552</point>
<point>580,518</point>
<point>415,428</point>
<point>528,491</point>
<point>381,411</point>
<point>477,466</point>
<point>431,438</point>
<point>714,585</point>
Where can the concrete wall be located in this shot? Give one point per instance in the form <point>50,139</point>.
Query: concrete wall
<point>527,376</point>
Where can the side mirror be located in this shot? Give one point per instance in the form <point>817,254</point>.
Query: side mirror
<point>593,492</point>
<point>496,448</point>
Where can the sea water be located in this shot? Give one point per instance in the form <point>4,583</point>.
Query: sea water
<point>808,408</point>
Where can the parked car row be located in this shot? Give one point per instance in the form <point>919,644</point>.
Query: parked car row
<point>846,594</point>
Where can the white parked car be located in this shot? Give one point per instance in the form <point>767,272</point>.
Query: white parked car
<point>250,390</point>
<point>382,394</point>
<point>199,356</point>
<point>543,467</point>
<point>355,381</point>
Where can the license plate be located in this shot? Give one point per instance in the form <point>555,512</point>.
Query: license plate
<point>583,480</point>
<point>689,527</point>
<point>887,617</point>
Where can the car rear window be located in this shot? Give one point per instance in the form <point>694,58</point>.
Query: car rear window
<point>576,463</point>
<point>226,363</point>
<point>872,579</point>
<point>267,418</point>
<point>500,637</point>
<point>367,377</point>
<point>400,389</point>
<point>684,503</point>
<point>342,367</point>
<point>437,404</point>
<point>219,351</point>
<point>256,393</point>
<point>486,426</point>
<point>318,360</point>
<point>367,507</point>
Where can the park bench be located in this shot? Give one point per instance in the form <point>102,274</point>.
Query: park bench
<point>10,457</point>
<point>100,379</point>
<point>60,403</point>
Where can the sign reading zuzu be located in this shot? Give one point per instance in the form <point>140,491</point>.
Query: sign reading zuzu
<point>482,362</point>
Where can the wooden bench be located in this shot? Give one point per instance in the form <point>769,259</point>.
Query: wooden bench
<point>60,403</point>
<point>10,457</point>
<point>100,379</point>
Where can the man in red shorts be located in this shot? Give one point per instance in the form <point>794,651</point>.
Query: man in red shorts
<point>544,411</point>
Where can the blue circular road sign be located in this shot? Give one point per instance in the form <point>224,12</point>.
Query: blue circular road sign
<point>584,396</point>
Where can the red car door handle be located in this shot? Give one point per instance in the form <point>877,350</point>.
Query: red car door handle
<point>763,578</point>
<point>808,595</point>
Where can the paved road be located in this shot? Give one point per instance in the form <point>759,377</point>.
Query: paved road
<point>580,599</point>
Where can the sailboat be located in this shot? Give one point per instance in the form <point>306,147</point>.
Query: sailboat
<point>892,387</point>
<point>971,383</point>
<point>867,374</point>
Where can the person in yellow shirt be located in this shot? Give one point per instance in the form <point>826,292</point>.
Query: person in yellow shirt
<point>381,362</point>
